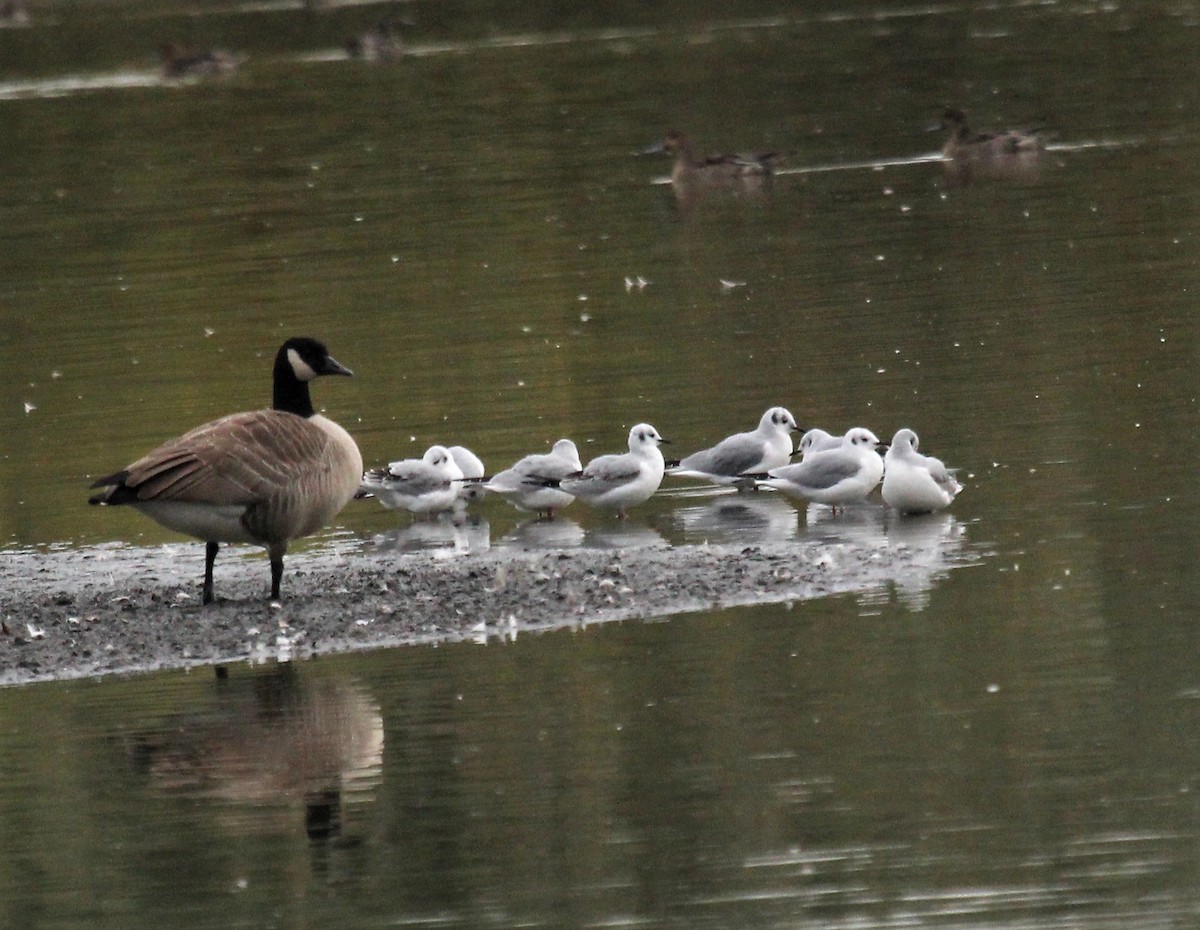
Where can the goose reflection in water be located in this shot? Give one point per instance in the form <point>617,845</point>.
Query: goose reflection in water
<point>272,741</point>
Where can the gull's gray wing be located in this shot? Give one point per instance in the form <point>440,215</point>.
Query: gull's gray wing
<point>605,473</point>
<point>730,457</point>
<point>821,471</point>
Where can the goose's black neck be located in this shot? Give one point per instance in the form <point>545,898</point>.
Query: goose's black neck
<point>290,393</point>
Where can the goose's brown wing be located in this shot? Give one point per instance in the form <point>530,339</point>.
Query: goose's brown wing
<point>243,458</point>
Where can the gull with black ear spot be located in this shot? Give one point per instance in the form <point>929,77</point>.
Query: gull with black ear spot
<point>839,476</point>
<point>817,440</point>
<point>914,483</point>
<point>426,485</point>
<point>618,482</point>
<point>769,446</point>
<point>264,476</point>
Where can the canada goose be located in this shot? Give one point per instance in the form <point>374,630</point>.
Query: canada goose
<point>769,446</point>
<point>837,476</point>
<point>618,482</point>
<point>525,484</point>
<point>264,476</point>
<point>915,483</point>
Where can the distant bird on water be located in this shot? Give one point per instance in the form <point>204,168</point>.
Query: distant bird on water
<point>693,176</point>
<point>379,43</point>
<point>264,476</point>
<point>179,63</point>
<point>1009,154</point>
<point>14,15</point>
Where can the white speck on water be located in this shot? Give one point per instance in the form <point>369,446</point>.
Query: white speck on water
<point>584,317</point>
<point>208,331</point>
<point>527,329</point>
<point>29,408</point>
<point>993,688</point>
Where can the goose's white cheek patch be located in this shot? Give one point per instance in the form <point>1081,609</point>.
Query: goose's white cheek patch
<point>301,368</point>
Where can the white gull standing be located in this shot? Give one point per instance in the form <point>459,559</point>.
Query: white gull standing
<point>844,475</point>
<point>425,485</point>
<point>618,482</point>
<point>471,466</point>
<point>527,485</point>
<point>769,446</point>
<point>915,483</point>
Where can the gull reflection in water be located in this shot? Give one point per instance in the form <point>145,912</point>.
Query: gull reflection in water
<point>855,524</point>
<point>274,743</point>
<point>540,533</point>
<point>625,536</point>
<point>448,535</point>
<point>740,518</point>
<point>933,544</point>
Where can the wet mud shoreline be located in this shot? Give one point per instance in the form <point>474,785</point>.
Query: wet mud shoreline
<point>108,610</point>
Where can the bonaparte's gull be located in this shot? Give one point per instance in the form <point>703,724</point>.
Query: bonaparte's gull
<point>618,482</point>
<point>836,476</point>
<point>425,485</point>
<point>817,440</point>
<point>527,485</point>
<point>915,483</point>
<point>471,466</point>
<point>769,446</point>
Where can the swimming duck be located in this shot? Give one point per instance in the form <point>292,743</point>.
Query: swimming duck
<point>180,63</point>
<point>692,175</point>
